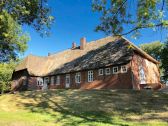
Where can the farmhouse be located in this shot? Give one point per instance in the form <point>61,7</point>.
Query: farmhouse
<point>108,63</point>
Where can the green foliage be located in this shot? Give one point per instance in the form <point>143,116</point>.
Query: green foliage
<point>31,12</point>
<point>14,14</point>
<point>164,60</point>
<point>6,70</point>
<point>12,39</point>
<point>139,14</point>
<point>154,49</point>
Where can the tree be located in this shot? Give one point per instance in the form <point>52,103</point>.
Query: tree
<point>136,14</point>
<point>14,14</point>
<point>12,39</point>
<point>30,12</point>
<point>164,60</point>
<point>154,49</point>
<point>6,70</point>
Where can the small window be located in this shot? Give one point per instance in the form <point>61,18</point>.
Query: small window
<point>78,77</point>
<point>115,70</point>
<point>67,79</point>
<point>107,71</point>
<point>90,76</point>
<point>58,80</point>
<point>52,80</point>
<point>100,71</point>
<point>123,69</point>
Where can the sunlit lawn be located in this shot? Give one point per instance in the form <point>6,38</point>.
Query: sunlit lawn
<point>84,108</point>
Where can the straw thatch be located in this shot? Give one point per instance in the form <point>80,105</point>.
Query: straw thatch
<point>100,53</point>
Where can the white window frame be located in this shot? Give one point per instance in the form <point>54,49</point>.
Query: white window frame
<point>107,71</point>
<point>67,78</point>
<point>58,80</point>
<point>101,72</point>
<point>114,72</point>
<point>90,76</point>
<point>78,78</point>
<point>124,70</point>
<point>53,80</point>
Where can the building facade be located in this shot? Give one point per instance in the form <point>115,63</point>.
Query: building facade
<point>108,63</point>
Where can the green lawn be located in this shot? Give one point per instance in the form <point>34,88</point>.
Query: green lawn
<point>84,108</point>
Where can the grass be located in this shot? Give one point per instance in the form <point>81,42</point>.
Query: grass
<point>84,108</point>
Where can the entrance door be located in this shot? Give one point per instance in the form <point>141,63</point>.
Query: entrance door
<point>45,85</point>
<point>67,81</point>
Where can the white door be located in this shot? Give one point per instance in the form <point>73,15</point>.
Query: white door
<point>67,81</point>
<point>45,85</point>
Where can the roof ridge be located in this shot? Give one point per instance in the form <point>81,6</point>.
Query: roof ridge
<point>88,43</point>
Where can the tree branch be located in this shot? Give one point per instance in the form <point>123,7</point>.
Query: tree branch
<point>141,27</point>
<point>119,9</point>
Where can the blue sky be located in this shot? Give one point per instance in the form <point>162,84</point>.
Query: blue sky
<point>75,19</point>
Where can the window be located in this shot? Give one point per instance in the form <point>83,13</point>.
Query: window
<point>90,76</point>
<point>67,79</point>
<point>115,70</point>
<point>142,76</point>
<point>78,77</point>
<point>107,71</point>
<point>58,80</point>
<point>100,71</point>
<point>52,80</point>
<point>39,81</point>
<point>123,69</point>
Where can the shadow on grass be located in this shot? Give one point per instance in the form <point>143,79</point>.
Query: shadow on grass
<point>95,106</point>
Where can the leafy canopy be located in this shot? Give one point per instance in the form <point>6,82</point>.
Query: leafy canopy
<point>136,14</point>
<point>12,39</point>
<point>154,49</point>
<point>164,60</point>
<point>14,14</point>
<point>30,12</point>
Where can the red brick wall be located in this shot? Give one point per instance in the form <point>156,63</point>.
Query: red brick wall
<point>112,81</point>
<point>32,83</point>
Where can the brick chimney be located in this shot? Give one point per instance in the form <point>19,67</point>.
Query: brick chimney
<point>82,43</point>
<point>73,45</point>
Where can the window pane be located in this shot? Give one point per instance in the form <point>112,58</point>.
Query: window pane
<point>115,69</point>
<point>107,71</point>
<point>67,79</point>
<point>100,71</point>
<point>90,76</point>
<point>123,69</point>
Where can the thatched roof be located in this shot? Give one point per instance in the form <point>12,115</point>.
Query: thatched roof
<point>99,53</point>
